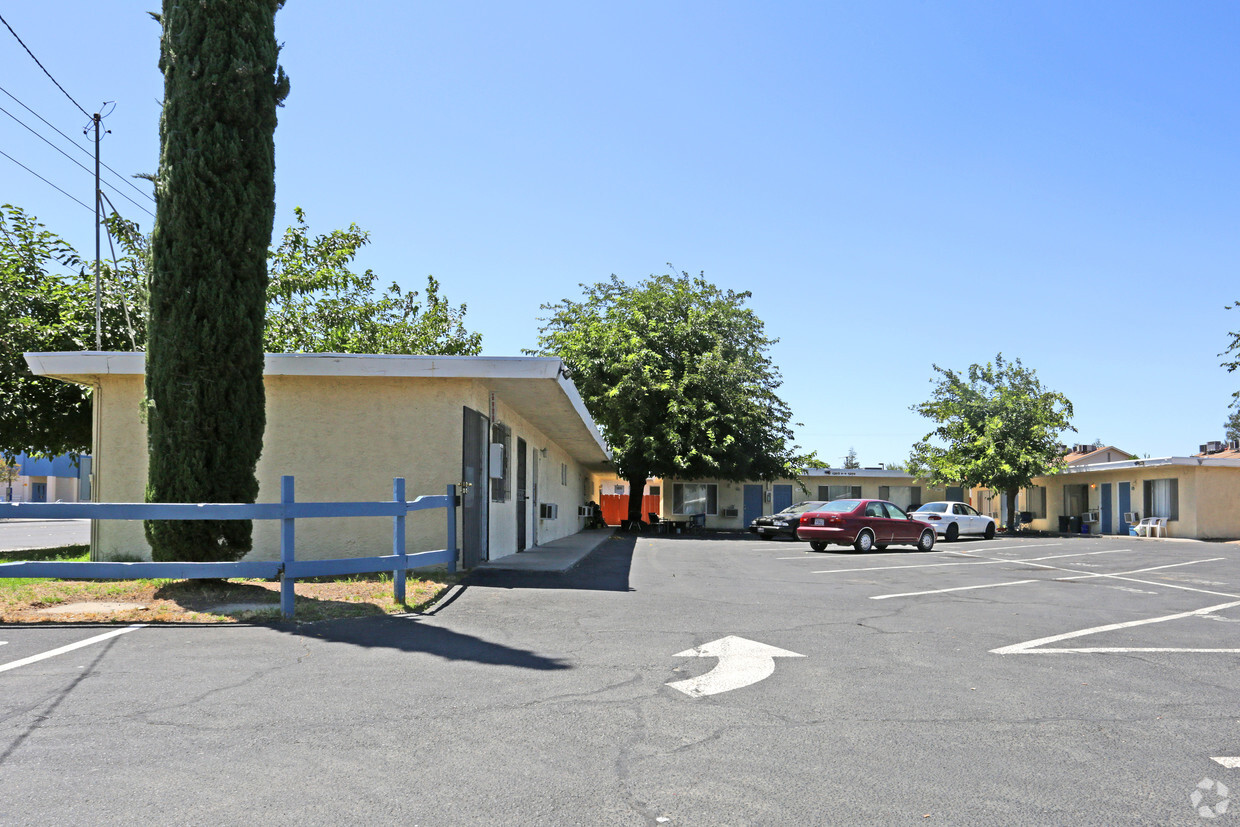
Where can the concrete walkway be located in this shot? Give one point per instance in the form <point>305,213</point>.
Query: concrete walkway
<point>556,556</point>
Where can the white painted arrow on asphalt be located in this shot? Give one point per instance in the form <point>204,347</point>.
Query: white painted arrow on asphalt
<point>741,662</point>
<point>1229,763</point>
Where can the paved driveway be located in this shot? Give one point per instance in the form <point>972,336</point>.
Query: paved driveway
<point>23,534</point>
<point>1029,681</point>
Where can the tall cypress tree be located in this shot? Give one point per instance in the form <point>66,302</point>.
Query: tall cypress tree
<point>215,207</point>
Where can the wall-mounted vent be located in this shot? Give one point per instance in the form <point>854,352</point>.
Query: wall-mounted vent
<point>549,511</point>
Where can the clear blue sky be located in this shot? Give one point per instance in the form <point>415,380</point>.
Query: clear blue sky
<point>899,184</point>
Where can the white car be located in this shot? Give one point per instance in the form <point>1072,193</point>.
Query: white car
<point>952,520</point>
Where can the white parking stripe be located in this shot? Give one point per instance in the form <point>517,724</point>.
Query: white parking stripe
<point>1032,647</point>
<point>72,646</point>
<point>1229,763</point>
<point>956,589</point>
<point>1085,576</point>
<point>976,562</point>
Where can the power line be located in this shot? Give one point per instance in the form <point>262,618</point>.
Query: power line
<point>41,178</point>
<point>74,160</point>
<point>77,146</point>
<point>41,66</point>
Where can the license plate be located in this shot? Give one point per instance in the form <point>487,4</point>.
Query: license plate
<point>761,529</point>
<point>819,521</point>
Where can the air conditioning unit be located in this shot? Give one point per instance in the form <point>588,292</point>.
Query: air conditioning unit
<point>1214,447</point>
<point>549,511</point>
<point>582,511</point>
<point>1132,517</point>
<point>729,512</point>
<point>1090,517</point>
<point>1233,445</point>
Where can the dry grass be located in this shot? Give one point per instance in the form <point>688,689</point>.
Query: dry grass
<point>202,601</point>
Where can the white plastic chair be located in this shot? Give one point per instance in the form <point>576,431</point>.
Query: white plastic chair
<point>1152,527</point>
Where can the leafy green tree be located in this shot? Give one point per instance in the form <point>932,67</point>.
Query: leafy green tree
<point>675,372</point>
<point>47,303</point>
<point>1233,425</point>
<point>215,203</point>
<point>995,427</point>
<point>317,304</point>
<point>850,461</point>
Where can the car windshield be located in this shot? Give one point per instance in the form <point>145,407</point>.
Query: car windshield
<point>840,506</point>
<point>938,508</point>
<point>801,508</point>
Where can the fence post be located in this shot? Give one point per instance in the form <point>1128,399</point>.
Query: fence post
<point>398,541</point>
<point>287,594</point>
<point>452,526</point>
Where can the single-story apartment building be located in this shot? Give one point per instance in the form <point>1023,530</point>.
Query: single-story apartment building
<point>1199,496</point>
<point>734,505</point>
<point>511,432</point>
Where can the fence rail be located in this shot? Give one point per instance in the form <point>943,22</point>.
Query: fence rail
<point>287,511</point>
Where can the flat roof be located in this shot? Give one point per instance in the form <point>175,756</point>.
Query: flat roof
<point>1146,463</point>
<point>538,387</point>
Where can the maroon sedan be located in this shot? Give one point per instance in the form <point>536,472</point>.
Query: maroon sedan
<point>863,524</point>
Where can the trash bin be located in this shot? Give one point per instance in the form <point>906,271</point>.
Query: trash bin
<point>1074,525</point>
<point>1065,524</point>
<point>1085,528</point>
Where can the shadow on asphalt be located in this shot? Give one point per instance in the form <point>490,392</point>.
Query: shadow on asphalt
<point>407,634</point>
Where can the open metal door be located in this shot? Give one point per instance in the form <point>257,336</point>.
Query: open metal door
<point>522,496</point>
<point>474,489</point>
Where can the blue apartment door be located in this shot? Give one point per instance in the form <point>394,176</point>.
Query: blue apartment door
<point>782,497</point>
<point>1105,508</point>
<point>1125,505</point>
<point>752,503</point>
<point>38,492</point>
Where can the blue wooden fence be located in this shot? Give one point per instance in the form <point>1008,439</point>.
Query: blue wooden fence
<point>287,511</point>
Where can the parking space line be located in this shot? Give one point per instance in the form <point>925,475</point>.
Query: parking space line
<point>1079,576</point>
<point>957,589</point>
<point>72,646</point>
<point>1034,647</point>
<point>974,561</point>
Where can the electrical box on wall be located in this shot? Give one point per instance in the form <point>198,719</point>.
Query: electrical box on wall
<point>497,460</point>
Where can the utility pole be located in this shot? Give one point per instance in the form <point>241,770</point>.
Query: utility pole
<point>98,221</point>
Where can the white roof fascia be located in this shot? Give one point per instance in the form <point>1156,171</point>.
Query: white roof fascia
<point>854,472</point>
<point>579,405</point>
<point>1147,463</point>
<point>92,363</point>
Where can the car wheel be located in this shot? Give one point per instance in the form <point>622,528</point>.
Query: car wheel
<point>817,545</point>
<point>864,541</point>
<point>990,531</point>
<point>953,531</point>
<point>926,541</point>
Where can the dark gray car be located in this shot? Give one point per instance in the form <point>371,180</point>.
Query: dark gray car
<point>783,524</point>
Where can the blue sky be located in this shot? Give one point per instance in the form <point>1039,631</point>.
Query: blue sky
<point>899,184</point>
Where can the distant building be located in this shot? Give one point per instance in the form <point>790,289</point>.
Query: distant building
<point>65,478</point>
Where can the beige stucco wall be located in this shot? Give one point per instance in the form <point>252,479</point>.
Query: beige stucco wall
<point>343,439</point>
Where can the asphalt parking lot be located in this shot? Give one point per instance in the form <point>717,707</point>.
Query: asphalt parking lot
<point>670,680</point>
